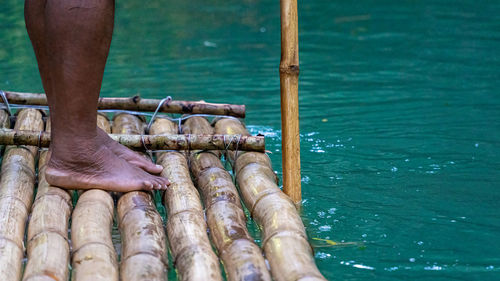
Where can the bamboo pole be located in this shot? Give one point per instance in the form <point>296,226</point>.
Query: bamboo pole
<point>155,142</point>
<point>138,104</point>
<point>4,119</point>
<point>16,196</point>
<point>127,124</point>
<point>241,257</point>
<point>48,246</point>
<point>144,251</point>
<point>94,257</point>
<point>186,227</point>
<point>103,123</point>
<point>284,238</point>
<point>289,85</point>
<point>4,123</point>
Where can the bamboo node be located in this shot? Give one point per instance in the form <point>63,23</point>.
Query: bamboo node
<point>136,98</point>
<point>290,69</point>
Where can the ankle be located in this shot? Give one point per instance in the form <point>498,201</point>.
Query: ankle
<point>76,152</point>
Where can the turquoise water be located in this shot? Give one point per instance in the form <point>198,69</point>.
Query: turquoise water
<point>399,104</point>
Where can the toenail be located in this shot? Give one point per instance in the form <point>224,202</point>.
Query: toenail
<point>159,166</point>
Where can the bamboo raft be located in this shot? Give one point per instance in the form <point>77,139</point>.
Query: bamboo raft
<point>70,235</point>
<point>48,233</point>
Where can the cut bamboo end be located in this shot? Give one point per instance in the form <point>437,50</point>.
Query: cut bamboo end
<point>16,196</point>
<point>186,227</point>
<point>94,257</point>
<point>241,257</point>
<point>138,104</point>
<point>284,238</point>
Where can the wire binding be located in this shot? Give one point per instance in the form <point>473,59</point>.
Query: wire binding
<point>165,100</point>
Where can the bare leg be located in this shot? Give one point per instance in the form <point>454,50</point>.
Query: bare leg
<point>71,40</point>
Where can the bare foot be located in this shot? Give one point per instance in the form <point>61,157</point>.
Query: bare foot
<point>99,168</point>
<point>127,154</point>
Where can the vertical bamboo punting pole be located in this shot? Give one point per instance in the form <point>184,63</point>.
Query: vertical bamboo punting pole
<point>241,257</point>
<point>94,257</point>
<point>144,246</point>
<point>48,246</point>
<point>289,84</point>
<point>186,227</point>
<point>16,196</point>
<point>284,238</point>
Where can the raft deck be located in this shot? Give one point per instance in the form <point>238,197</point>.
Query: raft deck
<point>48,233</point>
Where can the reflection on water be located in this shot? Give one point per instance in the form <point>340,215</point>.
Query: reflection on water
<point>399,115</point>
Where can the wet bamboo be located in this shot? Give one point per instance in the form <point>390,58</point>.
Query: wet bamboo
<point>94,257</point>
<point>16,196</point>
<point>4,119</point>
<point>138,104</point>
<point>284,238</point>
<point>4,123</point>
<point>155,142</point>
<point>289,85</point>
<point>241,257</point>
<point>103,123</point>
<point>186,227</point>
<point>144,250</point>
<point>48,246</point>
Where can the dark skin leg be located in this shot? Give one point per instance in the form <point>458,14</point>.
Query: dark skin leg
<point>71,40</point>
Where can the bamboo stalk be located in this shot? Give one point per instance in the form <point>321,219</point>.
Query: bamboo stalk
<point>127,124</point>
<point>186,227</point>
<point>103,123</point>
<point>16,196</point>
<point>4,119</point>
<point>241,257</point>
<point>155,142</point>
<point>4,123</point>
<point>289,85</point>
<point>138,104</point>
<point>284,238</point>
<point>94,257</point>
<point>48,246</point>
<point>144,252</point>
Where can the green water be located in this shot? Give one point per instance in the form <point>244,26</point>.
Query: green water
<point>399,115</point>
